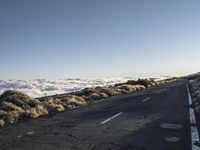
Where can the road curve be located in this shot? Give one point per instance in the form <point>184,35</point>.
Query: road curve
<point>153,119</point>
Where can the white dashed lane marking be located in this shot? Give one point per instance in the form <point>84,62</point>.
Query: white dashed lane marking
<point>146,99</point>
<point>107,120</point>
<point>27,133</point>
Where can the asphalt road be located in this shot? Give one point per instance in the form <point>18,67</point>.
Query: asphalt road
<point>153,119</point>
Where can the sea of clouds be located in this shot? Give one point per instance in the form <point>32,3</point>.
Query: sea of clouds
<point>44,87</point>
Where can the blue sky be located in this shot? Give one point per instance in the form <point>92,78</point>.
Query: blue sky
<point>98,38</point>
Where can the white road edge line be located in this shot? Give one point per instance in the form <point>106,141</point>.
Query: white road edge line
<point>194,131</point>
<point>145,99</point>
<point>103,122</point>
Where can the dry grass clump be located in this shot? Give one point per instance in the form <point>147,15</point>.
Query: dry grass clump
<point>2,113</point>
<point>127,87</point>
<point>9,119</point>
<point>109,91</point>
<point>54,107</point>
<point>8,106</point>
<point>100,93</point>
<point>18,99</point>
<point>39,110</point>
<point>86,91</point>
<point>15,106</point>
<point>93,94</point>
<point>59,103</point>
<point>10,94</point>
<point>139,87</point>
<point>73,101</point>
<point>103,95</point>
<point>143,82</point>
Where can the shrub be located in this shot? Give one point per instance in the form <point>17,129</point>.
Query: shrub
<point>52,108</point>
<point>139,87</point>
<point>119,84</point>
<point>32,113</point>
<point>103,95</point>
<point>39,110</point>
<point>18,99</point>
<point>10,94</point>
<point>33,102</point>
<point>108,91</point>
<point>8,106</point>
<point>94,96</point>
<point>127,87</point>
<point>131,82</point>
<point>9,119</point>
<point>72,100</point>
<point>87,91</point>
<point>2,113</point>
<point>15,115</point>
<point>120,91</point>
<point>144,82</point>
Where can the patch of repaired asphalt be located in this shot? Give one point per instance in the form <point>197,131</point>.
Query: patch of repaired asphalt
<point>172,139</point>
<point>171,126</point>
<point>30,133</point>
<point>158,91</point>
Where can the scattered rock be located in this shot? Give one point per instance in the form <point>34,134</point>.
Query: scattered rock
<point>2,123</point>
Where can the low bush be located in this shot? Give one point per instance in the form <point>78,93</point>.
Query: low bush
<point>8,106</point>
<point>127,87</point>
<point>144,82</point>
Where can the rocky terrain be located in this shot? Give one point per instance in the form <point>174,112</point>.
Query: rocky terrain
<point>194,83</point>
<point>16,106</point>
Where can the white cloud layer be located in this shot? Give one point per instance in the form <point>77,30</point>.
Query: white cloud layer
<point>44,87</point>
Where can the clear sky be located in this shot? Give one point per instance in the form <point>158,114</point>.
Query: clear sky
<point>98,38</point>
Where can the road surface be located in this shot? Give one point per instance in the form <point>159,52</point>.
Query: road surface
<point>153,119</point>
